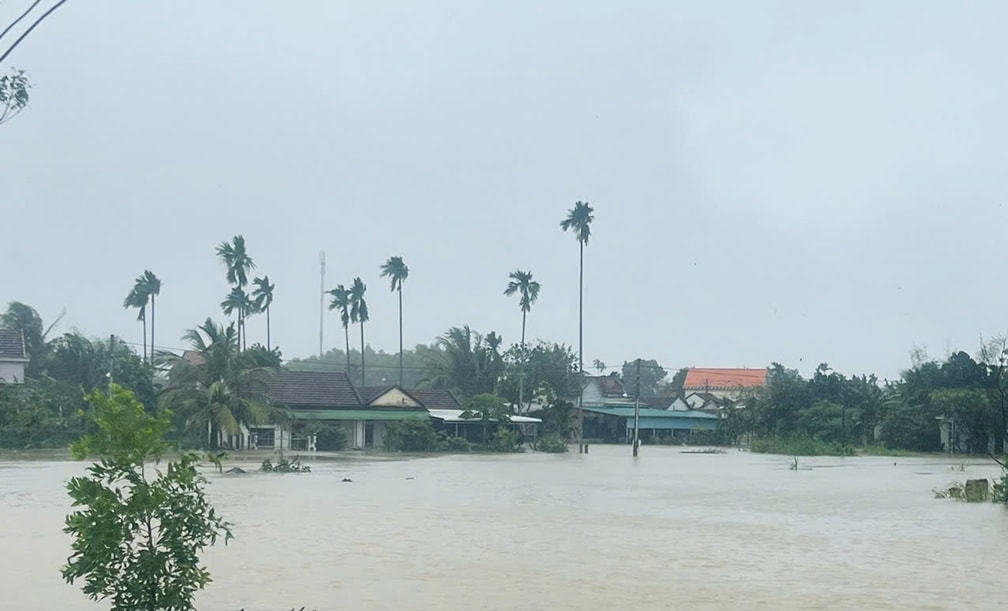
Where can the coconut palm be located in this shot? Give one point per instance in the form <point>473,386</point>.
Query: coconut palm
<point>138,298</point>
<point>359,314</point>
<point>217,388</point>
<point>341,301</point>
<point>263,296</point>
<point>152,286</point>
<point>579,220</point>
<point>521,282</point>
<point>238,302</point>
<point>464,361</point>
<point>395,269</point>
<point>238,264</point>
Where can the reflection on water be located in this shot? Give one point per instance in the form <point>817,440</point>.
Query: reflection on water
<point>536,531</point>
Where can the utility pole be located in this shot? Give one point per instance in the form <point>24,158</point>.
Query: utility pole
<point>636,413</point>
<point>111,369</point>
<point>321,316</point>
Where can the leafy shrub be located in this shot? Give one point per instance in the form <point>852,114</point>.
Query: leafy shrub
<point>505,440</point>
<point>552,445</point>
<point>411,436</point>
<point>328,437</point>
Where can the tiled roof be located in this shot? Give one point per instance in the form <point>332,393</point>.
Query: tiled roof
<point>370,393</point>
<point>723,379</point>
<point>194,358</point>
<point>313,389</point>
<point>610,386</point>
<point>12,345</point>
<point>659,402</point>
<point>435,398</point>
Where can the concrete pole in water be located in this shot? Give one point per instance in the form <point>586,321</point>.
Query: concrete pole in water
<point>636,413</point>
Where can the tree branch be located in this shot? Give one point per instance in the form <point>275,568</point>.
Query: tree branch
<point>16,21</point>
<point>32,27</point>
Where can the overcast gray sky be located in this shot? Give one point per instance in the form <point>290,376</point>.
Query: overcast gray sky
<point>789,181</point>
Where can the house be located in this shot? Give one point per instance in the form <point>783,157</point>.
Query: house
<point>721,384</point>
<point>617,423</point>
<point>13,356</point>
<point>328,397</point>
<point>446,412</point>
<point>603,391</point>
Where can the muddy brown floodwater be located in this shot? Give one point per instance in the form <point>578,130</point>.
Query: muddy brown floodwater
<point>535,531</point>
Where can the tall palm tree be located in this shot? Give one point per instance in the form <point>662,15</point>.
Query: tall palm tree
<point>464,361</point>
<point>359,314</point>
<point>138,298</point>
<point>239,265</point>
<point>152,286</point>
<point>263,295</point>
<point>521,282</point>
<point>341,301</point>
<point>395,269</point>
<point>238,302</point>
<point>579,220</point>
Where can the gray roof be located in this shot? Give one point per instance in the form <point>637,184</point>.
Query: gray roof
<point>436,398</point>
<point>313,389</point>
<point>12,345</point>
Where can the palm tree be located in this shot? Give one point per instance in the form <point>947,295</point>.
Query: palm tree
<point>464,361</point>
<point>238,302</point>
<point>263,295</point>
<point>395,269</point>
<point>152,286</point>
<point>137,298</point>
<point>341,301</point>
<point>359,313</point>
<point>238,264</point>
<point>522,282</point>
<point>579,220</point>
<point>219,390</point>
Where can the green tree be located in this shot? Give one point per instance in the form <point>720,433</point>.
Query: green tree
<point>138,299</point>
<point>137,537</point>
<point>579,220</point>
<point>221,388</point>
<point>263,296</point>
<point>464,361</point>
<point>490,410</point>
<point>22,317</point>
<point>152,287</point>
<point>521,282</point>
<point>238,302</point>
<point>359,314</point>
<point>238,265</point>
<point>341,301</point>
<point>651,377</point>
<point>396,271</point>
<point>14,86</point>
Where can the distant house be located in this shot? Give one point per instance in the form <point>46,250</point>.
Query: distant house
<point>329,397</point>
<point>719,384</point>
<point>603,391</point>
<point>13,357</point>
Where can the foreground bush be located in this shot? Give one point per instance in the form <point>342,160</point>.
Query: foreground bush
<point>137,532</point>
<point>552,445</point>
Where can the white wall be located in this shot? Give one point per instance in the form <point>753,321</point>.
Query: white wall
<point>11,372</point>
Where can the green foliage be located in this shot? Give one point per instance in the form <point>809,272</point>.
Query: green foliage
<point>552,445</point>
<point>1001,488</point>
<point>651,377</point>
<point>328,437</point>
<point>136,537</point>
<point>14,88</point>
<point>40,414</point>
<point>464,361</point>
<point>283,465</point>
<point>505,440</point>
<point>411,436</point>
<point>549,370</point>
<point>799,446</point>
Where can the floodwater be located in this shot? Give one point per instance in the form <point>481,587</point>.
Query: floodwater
<point>535,531</point>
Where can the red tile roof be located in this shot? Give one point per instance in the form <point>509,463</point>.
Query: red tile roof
<point>698,378</point>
